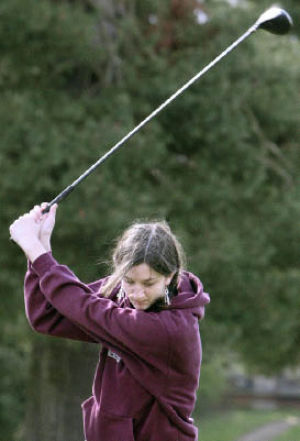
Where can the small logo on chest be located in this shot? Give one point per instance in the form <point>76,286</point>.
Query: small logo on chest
<point>113,355</point>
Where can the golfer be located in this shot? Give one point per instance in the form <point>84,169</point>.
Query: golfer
<point>145,316</point>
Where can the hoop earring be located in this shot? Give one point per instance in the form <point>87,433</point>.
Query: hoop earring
<point>167,298</point>
<point>121,294</point>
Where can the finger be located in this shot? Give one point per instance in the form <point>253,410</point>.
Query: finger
<point>46,208</point>
<point>53,208</point>
<point>44,205</point>
<point>43,215</point>
<point>36,213</point>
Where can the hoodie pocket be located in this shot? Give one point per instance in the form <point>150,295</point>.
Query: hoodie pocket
<point>103,426</point>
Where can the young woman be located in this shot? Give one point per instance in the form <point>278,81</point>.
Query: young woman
<point>145,315</point>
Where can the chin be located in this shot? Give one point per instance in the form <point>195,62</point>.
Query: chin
<point>142,307</point>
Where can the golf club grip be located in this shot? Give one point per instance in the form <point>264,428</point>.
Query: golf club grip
<point>59,198</point>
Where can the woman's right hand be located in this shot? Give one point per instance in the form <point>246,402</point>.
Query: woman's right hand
<point>47,223</point>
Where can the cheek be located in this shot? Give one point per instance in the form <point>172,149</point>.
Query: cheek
<point>158,290</point>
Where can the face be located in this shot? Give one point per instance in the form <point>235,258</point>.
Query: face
<point>143,286</point>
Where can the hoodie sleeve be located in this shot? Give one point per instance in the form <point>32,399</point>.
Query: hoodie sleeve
<point>43,317</point>
<point>123,329</point>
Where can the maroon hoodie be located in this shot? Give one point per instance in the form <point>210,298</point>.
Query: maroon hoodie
<point>147,378</point>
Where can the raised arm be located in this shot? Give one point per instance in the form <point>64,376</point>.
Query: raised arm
<point>43,317</point>
<point>32,232</point>
<point>122,329</point>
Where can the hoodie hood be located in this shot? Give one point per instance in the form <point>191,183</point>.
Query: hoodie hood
<point>190,295</point>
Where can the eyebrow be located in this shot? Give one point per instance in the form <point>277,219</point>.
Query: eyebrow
<point>150,279</point>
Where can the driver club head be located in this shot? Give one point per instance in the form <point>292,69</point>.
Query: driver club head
<point>275,20</point>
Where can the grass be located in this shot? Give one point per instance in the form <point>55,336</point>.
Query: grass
<point>292,434</point>
<point>229,426</point>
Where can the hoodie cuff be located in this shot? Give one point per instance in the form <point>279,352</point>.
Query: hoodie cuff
<point>43,263</point>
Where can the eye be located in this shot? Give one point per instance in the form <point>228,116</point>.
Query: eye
<point>129,281</point>
<point>149,284</point>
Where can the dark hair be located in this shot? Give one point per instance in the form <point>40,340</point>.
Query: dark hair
<point>152,243</point>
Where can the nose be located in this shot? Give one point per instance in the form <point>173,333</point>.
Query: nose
<point>137,294</point>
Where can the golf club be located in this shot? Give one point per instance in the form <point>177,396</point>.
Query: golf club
<point>274,20</point>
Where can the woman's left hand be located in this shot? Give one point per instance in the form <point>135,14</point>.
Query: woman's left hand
<point>25,232</point>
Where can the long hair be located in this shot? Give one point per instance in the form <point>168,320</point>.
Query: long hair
<point>152,243</point>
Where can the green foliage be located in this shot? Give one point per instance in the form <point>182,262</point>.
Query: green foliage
<point>213,383</point>
<point>13,377</point>
<point>220,164</point>
<point>37,45</point>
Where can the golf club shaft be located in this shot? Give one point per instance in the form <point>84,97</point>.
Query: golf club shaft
<point>119,144</point>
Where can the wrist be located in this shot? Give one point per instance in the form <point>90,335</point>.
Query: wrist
<point>46,243</point>
<point>34,250</point>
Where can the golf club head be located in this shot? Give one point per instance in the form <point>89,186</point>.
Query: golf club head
<point>275,20</point>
